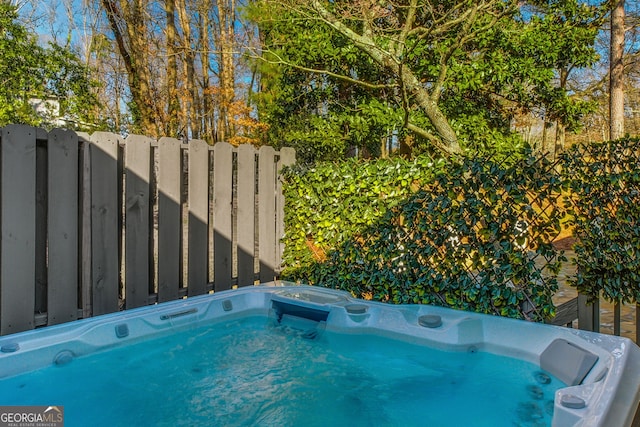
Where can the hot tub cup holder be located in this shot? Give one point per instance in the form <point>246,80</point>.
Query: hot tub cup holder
<point>122,330</point>
<point>356,309</point>
<point>11,347</point>
<point>572,402</point>
<point>357,312</point>
<point>431,321</point>
<point>227,305</point>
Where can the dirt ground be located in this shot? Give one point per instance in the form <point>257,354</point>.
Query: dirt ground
<point>565,240</point>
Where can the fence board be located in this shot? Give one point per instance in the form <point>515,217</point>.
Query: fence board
<point>287,158</point>
<point>566,313</point>
<point>222,223</point>
<point>198,202</point>
<point>616,319</point>
<point>17,246</point>
<point>588,314</point>
<point>62,229</point>
<point>41,223</point>
<point>266,213</point>
<point>85,222</point>
<point>169,219</point>
<point>104,223</point>
<point>137,197</point>
<point>246,214</point>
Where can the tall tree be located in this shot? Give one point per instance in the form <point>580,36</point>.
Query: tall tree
<point>225,40</point>
<point>452,74</point>
<point>129,23</point>
<point>632,63</point>
<point>207,108</point>
<point>188,57</point>
<point>616,79</point>
<point>173,101</point>
<point>183,61</point>
<point>570,29</point>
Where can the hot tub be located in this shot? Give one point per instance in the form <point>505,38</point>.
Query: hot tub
<point>368,363</point>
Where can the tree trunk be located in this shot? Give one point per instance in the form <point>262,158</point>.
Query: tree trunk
<point>226,42</point>
<point>127,21</point>
<point>205,50</point>
<point>445,139</point>
<point>616,82</point>
<point>448,142</point>
<point>173,103</point>
<point>561,129</point>
<point>192,127</point>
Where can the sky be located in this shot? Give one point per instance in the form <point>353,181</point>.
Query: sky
<point>59,21</point>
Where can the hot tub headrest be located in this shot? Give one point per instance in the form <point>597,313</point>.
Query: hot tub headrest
<point>567,362</point>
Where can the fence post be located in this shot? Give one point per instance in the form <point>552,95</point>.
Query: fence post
<point>588,314</point>
<point>17,225</point>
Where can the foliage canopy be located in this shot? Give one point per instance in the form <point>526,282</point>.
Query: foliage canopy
<point>436,76</point>
<point>30,72</point>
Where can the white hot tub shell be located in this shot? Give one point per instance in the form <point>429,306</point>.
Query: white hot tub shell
<point>602,372</point>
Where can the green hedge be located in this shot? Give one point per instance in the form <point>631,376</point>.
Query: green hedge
<point>331,202</point>
<point>605,189</point>
<point>474,234</point>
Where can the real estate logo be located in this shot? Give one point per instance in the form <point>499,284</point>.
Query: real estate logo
<point>31,416</point>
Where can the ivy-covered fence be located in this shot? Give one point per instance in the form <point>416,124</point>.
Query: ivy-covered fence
<point>605,204</point>
<point>469,234</point>
<point>475,234</point>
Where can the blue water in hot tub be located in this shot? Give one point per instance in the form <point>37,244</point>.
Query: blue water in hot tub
<point>255,372</point>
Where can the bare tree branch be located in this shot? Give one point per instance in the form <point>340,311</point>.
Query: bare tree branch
<point>393,65</point>
<point>342,77</point>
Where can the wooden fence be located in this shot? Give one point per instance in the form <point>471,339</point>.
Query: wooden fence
<point>587,316</point>
<point>94,224</point>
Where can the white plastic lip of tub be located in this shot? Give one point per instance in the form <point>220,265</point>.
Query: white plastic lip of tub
<point>607,396</point>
